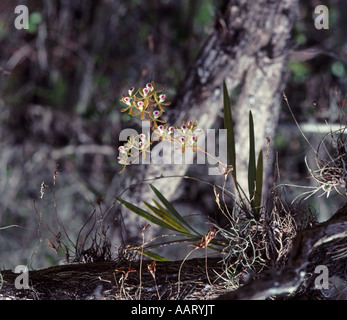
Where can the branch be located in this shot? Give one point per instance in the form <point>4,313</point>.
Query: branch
<point>118,281</point>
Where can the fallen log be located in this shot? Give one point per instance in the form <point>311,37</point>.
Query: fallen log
<point>199,279</point>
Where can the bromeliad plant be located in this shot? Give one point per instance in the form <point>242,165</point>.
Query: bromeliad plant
<point>149,103</point>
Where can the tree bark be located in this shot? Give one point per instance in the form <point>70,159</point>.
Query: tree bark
<point>118,281</point>
<point>323,244</point>
<point>248,48</point>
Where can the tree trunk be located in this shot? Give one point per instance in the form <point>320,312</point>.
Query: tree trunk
<point>248,48</point>
<point>324,244</point>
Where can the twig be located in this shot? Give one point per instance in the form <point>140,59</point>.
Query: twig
<point>143,228</point>
<point>297,124</point>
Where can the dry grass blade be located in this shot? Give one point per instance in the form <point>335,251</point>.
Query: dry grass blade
<point>331,172</point>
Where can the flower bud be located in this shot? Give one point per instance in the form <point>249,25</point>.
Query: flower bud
<point>126,100</point>
<point>156,114</point>
<point>131,90</point>
<point>121,149</point>
<point>149,86</point>
<point>162,98</point>
<point>140,104</point>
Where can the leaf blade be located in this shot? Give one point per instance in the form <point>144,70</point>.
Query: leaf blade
<point>167,217</point>
<point>171,209</point>
<point>251,162</point>
<point>259,184</point>
<point>153,256</point>
<point>229,126</point>
<point>144,214</point>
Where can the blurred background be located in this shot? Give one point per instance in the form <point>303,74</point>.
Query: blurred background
<point>61,82</point>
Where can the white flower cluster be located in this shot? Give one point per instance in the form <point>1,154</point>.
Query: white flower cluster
<point>149,102</point>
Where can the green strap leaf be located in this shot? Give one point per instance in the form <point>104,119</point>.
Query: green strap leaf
<point>259,185</point>
<point>153,256</point>
<point>251,163</point>
<point>144,214</point>
<point>166,217</point>
<point>228,124</point>
<point>172,210</point>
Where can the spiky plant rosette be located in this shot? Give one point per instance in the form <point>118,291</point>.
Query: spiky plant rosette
<point>331,162</point>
